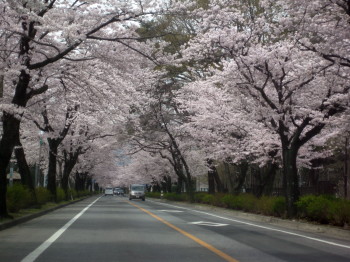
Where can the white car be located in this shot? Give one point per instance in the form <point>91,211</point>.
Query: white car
<point>109,191</point>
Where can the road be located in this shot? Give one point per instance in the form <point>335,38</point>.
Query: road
<point>116,229</point>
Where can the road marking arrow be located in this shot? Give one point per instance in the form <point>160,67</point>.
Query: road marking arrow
<point>209,224</point>
<point>171,211</point>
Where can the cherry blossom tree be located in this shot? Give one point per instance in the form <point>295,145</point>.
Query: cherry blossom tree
<point>291,92</point>
<point>37,35</point>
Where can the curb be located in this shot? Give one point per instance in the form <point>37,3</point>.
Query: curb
<point>26,218</point>
<point>330,231</point>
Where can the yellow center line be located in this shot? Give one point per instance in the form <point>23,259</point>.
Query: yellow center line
<point>195,239</point>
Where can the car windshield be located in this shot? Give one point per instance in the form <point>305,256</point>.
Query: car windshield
<point>137,188</point>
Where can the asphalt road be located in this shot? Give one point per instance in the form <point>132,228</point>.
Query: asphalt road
<point>116,229</point>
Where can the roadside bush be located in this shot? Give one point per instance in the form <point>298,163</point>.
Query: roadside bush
<point>43,195</point>
<point>18,197</point>
<point>340,211</point>
<point>271,206</point>
<point>302,205</point>
<point>279,206</point>
<point>265,205</point>
<point>209,199</point>
<point>229,201</point>
<point>72,194</point>
<point>316,208</point>
<point>175,196</point>
<point>83,193</point>
<point>245,202</point>
<point>153,194</point>
<point>198,197</point>
<point>61,196</point>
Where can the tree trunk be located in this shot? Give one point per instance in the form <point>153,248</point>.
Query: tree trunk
<point>11,125</point>
<point>80,179</point>
<point>168,184</point>
<point>211,182</point>
<point>266,177</point>
<point>189,183</point>
<point>179,185</point>
<point>70,159</point>
<point>219,185</point>
<point>270,179</point>
<point>89,183</point>
<point>51,175</point>
<point>10,129</point>
<point>24,170</point>
<point>10,132</point>
<point>65,180</point>
<point>243,169</point>
<point>229,177</point>
<point>290,179</point>
<point>214,180</point>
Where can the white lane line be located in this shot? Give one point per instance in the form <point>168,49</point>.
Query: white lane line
<point>39,250</point>
<point>263,227</point>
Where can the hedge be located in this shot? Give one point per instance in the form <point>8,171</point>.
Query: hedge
<point>322,209</point>
<point>19,197</point>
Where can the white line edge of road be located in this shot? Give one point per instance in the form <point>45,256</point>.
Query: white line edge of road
<point>39,250</point>
<point>259,226</point>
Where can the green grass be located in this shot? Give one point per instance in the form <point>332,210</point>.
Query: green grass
<point>31,211</point>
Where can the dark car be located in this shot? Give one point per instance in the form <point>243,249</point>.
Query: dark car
<point>118,191</point>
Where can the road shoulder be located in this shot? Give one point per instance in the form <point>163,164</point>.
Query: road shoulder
<point>326,230</point>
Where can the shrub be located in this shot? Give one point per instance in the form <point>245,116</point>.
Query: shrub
<point>245,202</point>
<point>250,202</point>
<point>315,208</point>
<point>175,196</point>
<point>83,193</point>
<point>229,201</point>
<point>340,211</point>
<point>302,205</point>
<point>18,197</point>
<point>279,206</point>
<point>153,194</point>
<point>271,206</point>
<point>264,205</point>
<point>43,195</point>
<point>72,194</point>
<point>208,199</point>
<point>198,197</point>
<point>61,196</point>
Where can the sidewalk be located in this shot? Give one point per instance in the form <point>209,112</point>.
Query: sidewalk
<point>25,218</point>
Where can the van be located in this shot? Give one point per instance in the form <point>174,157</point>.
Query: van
<point>137,191</point>
<point>108,191</point>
